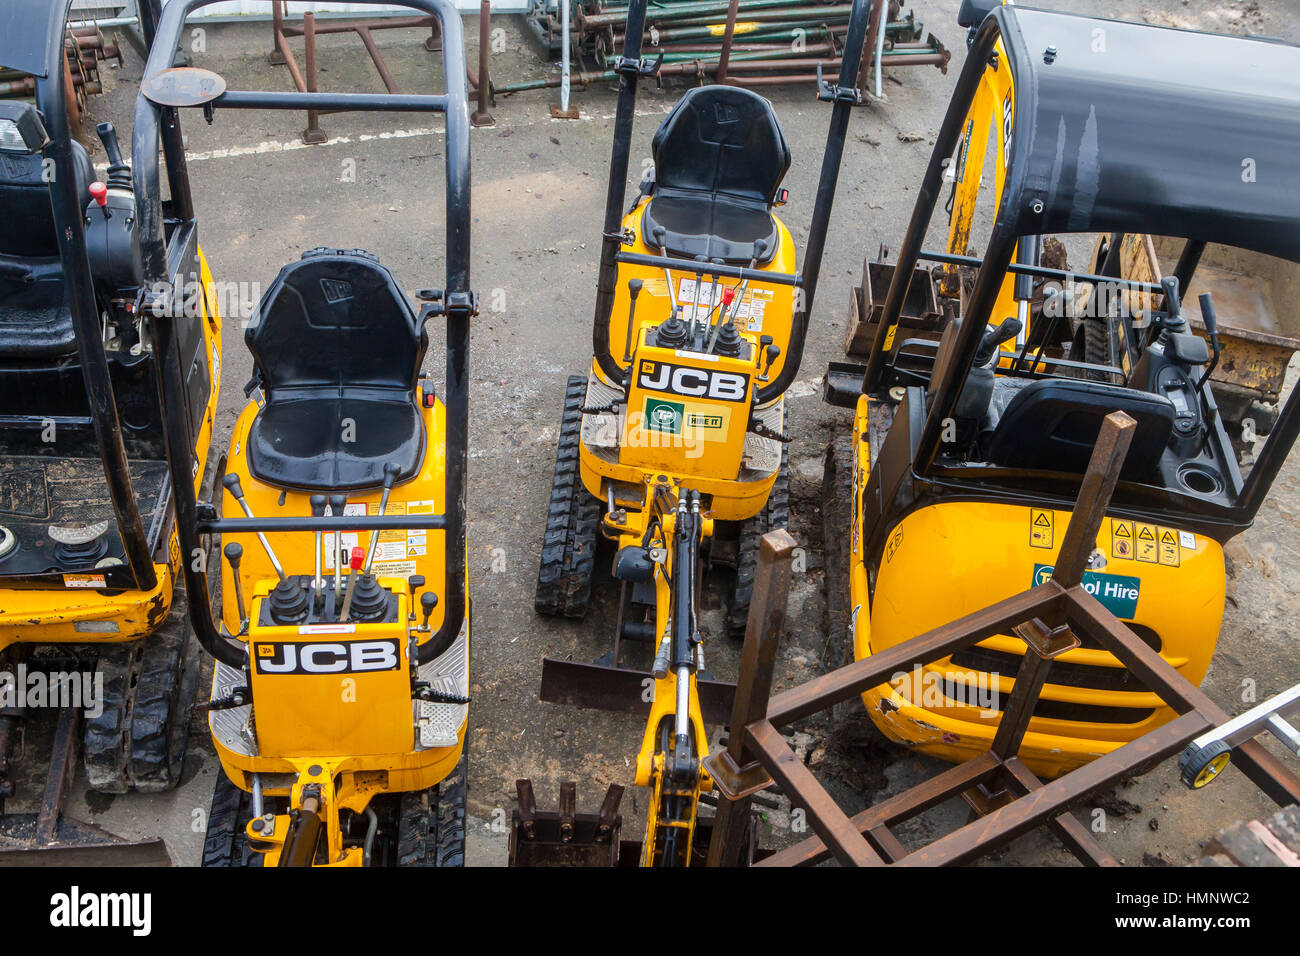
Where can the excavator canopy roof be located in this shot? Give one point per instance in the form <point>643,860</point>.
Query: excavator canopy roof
<point>1125,127</point>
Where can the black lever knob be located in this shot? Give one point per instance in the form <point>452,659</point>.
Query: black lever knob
<point>1207,314</point>
<point>1172,296</point>
<point>317,506</point>
<point>234,554</point>
<point>231,481</point>
<point>428,601</point>
<point>108,136</point>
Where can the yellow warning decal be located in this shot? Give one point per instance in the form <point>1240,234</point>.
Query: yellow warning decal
<point>1041,528</point>
<point>1121,539</point>
<point>1169,551</point>
<point>892,547</point>
<point>1147,546</point>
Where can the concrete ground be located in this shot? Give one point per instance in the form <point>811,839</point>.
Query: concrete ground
<point>538,197</point>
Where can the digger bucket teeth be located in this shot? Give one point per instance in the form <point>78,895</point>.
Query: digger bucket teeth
<point>565,837</point>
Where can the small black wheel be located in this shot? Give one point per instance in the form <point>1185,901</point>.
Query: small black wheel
<point>775,514</point>
<point>568,560</point>
<point>431,823</point>
<point>1198,766</point>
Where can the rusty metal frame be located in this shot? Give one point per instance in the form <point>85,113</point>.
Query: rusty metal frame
<point>282,55</point>
<point>1041,617</point>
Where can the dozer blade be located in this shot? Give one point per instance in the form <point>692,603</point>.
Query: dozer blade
<point>74,844</point>
<point>620,689</point>
<point>564,837</point>
<point>48,838</point>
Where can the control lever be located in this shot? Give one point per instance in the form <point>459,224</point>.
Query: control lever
<point>231,481</point>
<point>1008,330</point>
<point>770,353</point>
<point>108,136</point>
<point>1212,329</point>
<point>337,504</point>
<point>99,192</point>
<point>390,476</point>
<point>428,601</point>
<point>358,557</point>
<point>659,234</point>
<point>1174,303</point>
<point>695,302</point>
<point>415,582</point>
<point>633,290</point>
<point>760,247</point>
<point>234,552</point>
<point>317,582</point>
<point>714,327</point>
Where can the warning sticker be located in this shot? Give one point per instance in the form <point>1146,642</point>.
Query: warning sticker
<point>892,547</point>
<point>416,544</point>
<point>395,569</point>
<point>391,547</point>
<point>1121,539</point>
<point>1187,539</point>
<point>1169,550</point>
<point>1147,544</point>
<point>705,298</point>
<point>83,580</point>
<point>1041,528</point>
<point>346,542</point>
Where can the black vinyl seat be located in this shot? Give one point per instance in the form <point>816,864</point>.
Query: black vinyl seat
<point>1052,424</point>
<point>719,158</point>
<point>35,316</point>
<point>337,349</point>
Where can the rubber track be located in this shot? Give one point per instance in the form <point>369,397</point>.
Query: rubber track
<point>568,558</point>
<point>848,717</point>
<point>775,514</point>
<point>431,826</point>
<point>139,739</point>
<point>104,740</point>
<point>226,841</point>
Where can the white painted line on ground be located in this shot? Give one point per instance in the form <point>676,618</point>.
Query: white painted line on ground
<point>285,146</point>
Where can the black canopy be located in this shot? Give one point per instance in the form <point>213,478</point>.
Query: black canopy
<point>1124,127</point>
<point>31,34</point>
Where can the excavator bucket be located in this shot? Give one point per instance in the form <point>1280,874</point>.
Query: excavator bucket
<point>565,837</point>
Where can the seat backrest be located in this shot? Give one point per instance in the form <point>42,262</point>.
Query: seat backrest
<point>336,318</point>
<point>34,318</point>
<point>1052,424</point>
<point>722,139</point>
<point>25,209</point>
<point>972,12</point>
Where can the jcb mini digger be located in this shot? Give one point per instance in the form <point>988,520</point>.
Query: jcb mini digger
<point>674,440</point>
<point>338,705</point>
<point>968,446</point>
<point>89,556</point>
